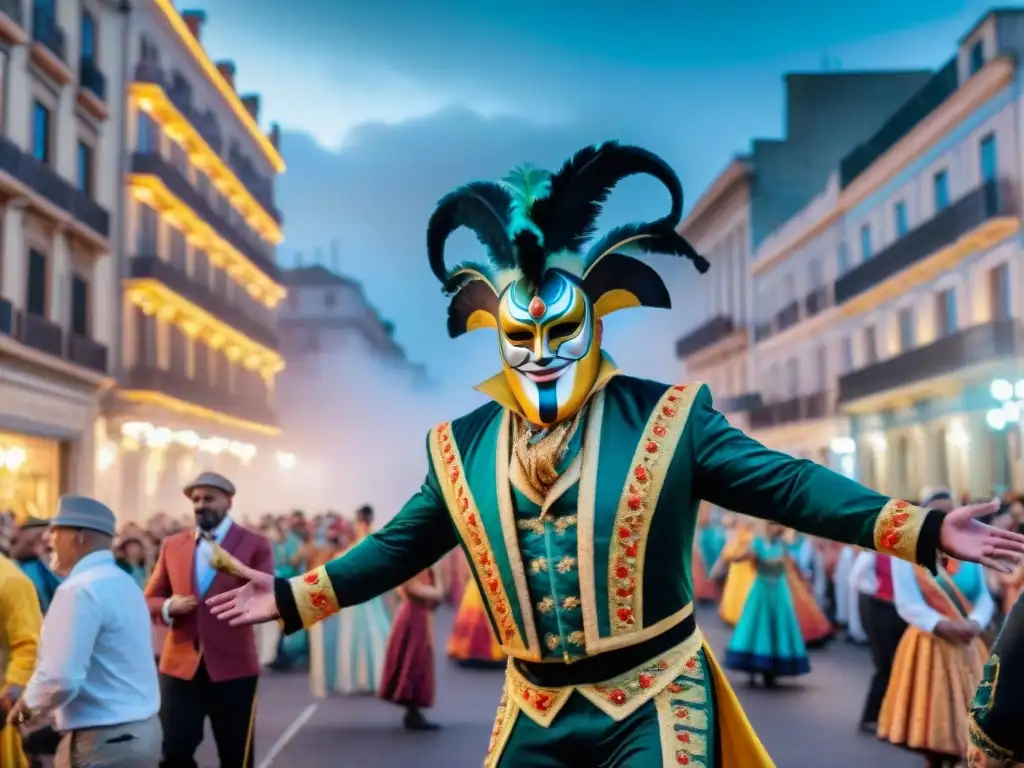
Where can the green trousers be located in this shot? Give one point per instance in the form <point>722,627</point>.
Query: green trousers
<point>676,727</point>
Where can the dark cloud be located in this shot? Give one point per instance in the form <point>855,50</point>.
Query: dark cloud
<point>377,193</point>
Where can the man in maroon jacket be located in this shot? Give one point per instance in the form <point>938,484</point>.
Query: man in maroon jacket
<point>207,668</point>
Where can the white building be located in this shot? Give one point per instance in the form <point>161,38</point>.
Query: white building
<point>60,197</point>
<point>917,241</point>
<point>201,290</point>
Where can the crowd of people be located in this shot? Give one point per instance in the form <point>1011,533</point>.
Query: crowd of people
<point>929,635</point>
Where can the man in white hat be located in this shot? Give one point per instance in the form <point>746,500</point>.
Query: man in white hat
<point>208,670</point>
<point>95,675</point>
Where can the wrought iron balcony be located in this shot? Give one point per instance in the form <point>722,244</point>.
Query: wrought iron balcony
<point>47,31</point>
<point>47,183</point>
<point>155,165</point>
<point>45,336</point>
<point>179,281</point>
<point>704,335</point>
<point>817,301</point>
<point>991,200</point>
<point>978,344</point>
<point>787,317</point>
<point>801,408</point>
<point>748,402</point>
<point>175,384</point>
<point>92,78</point>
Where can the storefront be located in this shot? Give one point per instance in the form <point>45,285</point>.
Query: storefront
<point>30,473</point>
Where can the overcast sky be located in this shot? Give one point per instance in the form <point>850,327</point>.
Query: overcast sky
<point>387,105</point>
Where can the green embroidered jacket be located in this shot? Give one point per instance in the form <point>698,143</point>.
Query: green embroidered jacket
<point>997,712</point>
<point>602,563</point>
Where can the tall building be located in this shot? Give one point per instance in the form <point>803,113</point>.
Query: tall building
<point>917,241</point>
<point>826,114</point>
<point>60,140</point>
<point>201,287</point>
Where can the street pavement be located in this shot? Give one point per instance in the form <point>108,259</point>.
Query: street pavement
<point>808,724</point>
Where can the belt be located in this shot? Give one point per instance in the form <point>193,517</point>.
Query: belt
<point>604,666</point>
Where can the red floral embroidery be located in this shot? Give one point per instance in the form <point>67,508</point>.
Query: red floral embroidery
<point>895,529</point>
<point>634,513</point>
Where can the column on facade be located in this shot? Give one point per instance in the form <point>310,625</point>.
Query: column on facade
<point>981,473</point>
<point>105,305</point>
<point>65,142</point>
<point>929,437</point>
<point>60,280</point>
<point>18,75</point>
<point>81,472</point>
<point>131,470</point>
<point>13,259</point>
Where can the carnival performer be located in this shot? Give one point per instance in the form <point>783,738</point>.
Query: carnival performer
<point>21,622</point>
<point>408,678</point>
<point>347,651</point>
<point>767,640</point>
<point>575,490</point>
<point>939,660</point>
<point>815,627</point>
<point>472,642</point>
<point>707,547</point>
<point>740,571</point>
<point>995,732</point>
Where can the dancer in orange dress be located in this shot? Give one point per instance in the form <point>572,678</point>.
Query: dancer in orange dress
<point>708,542</point>
<point>473,642</point>
<point>815,627</point>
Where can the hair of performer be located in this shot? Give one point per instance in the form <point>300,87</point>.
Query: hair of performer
<point>546,283</point>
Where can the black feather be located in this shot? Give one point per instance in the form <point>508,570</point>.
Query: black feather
<point>568,216</point>
<point>530,257</point>
<point>474,295</point>
<point>646,238</point>
<point>482,207</point>
<point>459,275</point>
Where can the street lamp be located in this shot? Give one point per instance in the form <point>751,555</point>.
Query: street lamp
<point>285,460</point>
<point>1010,397</point>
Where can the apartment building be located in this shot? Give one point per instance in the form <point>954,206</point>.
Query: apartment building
<point>826,113</point>
<point>914,252</point>
<point>200,349</point>
<point>60,118</point>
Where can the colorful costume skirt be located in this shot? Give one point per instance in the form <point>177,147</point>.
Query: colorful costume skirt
<point>346,651</point>
<point>815,627</point>
<point>767,638</point>
<point>734,594</point>
<point>705,589</point>
<point>408,678</point>
<point>926,704</point>
<point>12,755</point>
<point>472,641</point>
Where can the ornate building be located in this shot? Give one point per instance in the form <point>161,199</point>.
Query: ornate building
<point>201,287</point>
<point>60,193</point>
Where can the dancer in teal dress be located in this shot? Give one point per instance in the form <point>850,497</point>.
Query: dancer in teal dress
<point>767,639</point>
<point>711,540</point>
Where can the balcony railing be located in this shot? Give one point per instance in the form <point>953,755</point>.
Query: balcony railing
<point>801,408</point>
<point>817,301</point>
<point>978,344</point>
<point>91,78</point>
<point>704,335</point>
<point>750,401</point>
<point>47,183</point>
<point>787,317</point>
<point>991,200</point>
<point>43,335</point>
<point>248,407</point>
<point>175,278</point>
<point>923,103</point>
<point>155,165</point>
<point>47,31</point>
<point>205,124</point>
<point>13,10</point>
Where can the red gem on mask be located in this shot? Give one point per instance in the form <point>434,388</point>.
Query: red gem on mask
<point>537,307</point>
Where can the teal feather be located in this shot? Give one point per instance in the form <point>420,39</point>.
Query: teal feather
<point>526,184</point>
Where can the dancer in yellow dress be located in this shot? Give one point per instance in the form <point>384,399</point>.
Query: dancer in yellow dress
<point>740,569</point>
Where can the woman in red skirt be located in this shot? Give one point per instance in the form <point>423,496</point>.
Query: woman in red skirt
<point>408,678</point>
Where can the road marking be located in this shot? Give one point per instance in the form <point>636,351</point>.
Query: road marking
<point>287,736</point>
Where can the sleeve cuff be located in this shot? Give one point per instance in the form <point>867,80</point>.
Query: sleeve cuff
<point>909,532</point>
<point>305,600</point>
<point>165,612</point>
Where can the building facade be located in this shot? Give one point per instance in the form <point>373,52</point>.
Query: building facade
<point>918,243</point>
<point>200,349</point>
<point>60,67</point>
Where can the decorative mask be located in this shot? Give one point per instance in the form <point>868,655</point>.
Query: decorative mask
<point>544,286</point>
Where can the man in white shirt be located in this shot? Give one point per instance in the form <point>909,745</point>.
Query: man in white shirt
<point>96,676</point>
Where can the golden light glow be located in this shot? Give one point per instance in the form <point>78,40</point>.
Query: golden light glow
<point>152,191</point>
<point>142,432</point>
<point>153,297</point>
<point>178,25</point>
<point>209,445</point>
<point>151,98</point>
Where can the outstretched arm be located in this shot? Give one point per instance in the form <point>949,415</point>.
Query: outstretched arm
<point>418,536</point>
<point>737,472</point>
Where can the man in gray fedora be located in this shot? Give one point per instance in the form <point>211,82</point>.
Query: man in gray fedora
<point>95,675</point>
<point>208,669</point>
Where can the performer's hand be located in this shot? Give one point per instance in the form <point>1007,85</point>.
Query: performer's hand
<point>180,605</point>
<point>957,632</point>
<point>252,603</point>
<point>964,537</point>
<point>14,713</point>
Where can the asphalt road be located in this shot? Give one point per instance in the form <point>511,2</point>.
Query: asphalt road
<point>809,725</point>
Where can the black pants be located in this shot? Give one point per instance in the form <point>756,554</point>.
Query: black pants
<point>884,628</point>
<point>185,705</point>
